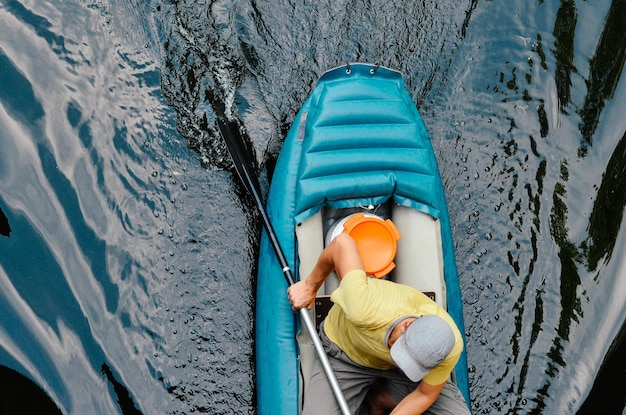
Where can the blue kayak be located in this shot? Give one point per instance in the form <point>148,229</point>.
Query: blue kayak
<point>358,144</point>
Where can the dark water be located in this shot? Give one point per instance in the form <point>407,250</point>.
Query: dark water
<point>127,250</point>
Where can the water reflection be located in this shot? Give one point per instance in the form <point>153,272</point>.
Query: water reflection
<point>525,205</point>
<point>5,228</point>
<point>22,396</point>
<point>564,37</point>
<point>608,210</point>
<point>605,69</point>
<point>97,263</point>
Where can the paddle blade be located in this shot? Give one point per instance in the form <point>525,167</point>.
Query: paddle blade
<point>241,160</point>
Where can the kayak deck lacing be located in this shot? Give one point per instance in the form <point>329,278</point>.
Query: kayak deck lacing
<point>372,71</point>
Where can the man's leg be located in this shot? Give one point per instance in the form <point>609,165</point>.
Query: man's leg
<point>319,397</point>
<point>353,379</point>
<point>450,401</point>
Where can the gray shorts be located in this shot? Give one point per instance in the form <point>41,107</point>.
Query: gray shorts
<point>355,381</point>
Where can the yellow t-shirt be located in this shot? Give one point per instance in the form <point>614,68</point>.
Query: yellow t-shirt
<point>364,309</point>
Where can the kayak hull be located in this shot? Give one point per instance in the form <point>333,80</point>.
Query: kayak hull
<point>357,144</point>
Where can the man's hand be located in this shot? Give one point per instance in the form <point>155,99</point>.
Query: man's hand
<point>341,255</point>
<point>302,295</point>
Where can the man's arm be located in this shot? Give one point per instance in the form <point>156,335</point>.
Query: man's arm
<point>418,401</point>
<point>341,255</point>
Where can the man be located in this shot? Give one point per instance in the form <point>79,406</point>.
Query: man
<point>381,337</point>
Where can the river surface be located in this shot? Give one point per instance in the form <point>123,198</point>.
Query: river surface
<point>128,249</point>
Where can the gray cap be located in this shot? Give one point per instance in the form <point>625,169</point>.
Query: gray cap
<point>425,344</point>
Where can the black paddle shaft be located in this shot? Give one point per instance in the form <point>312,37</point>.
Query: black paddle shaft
<point>243,166</point>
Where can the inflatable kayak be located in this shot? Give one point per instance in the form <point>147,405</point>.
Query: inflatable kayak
<point>357,154</point>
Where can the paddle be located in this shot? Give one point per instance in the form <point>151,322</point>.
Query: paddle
<point>246,174</point>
